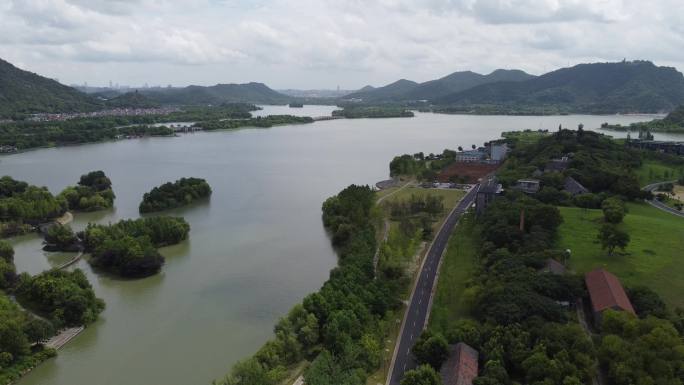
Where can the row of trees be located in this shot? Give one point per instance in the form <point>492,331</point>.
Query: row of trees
<point>340,327</point>
<point>171,195</point>
<point>261,122</point>
<point>29,134</point>
<point>129,247</point>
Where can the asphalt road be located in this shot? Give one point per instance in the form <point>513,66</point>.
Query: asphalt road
<point>657,204</point>
<point>419,305</point>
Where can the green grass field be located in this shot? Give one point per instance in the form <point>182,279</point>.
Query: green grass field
<point>654,257</point>
<point>458,264</point>
<point>654,171</point>
<point>451,196</point>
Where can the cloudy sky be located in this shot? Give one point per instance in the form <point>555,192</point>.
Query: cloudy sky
<point>326,43</point>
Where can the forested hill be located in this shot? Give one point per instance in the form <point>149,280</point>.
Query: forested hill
<point>624,87</point>
<point>131,100</point>
<point>23,92</point>
<point>406,90</point>
<point>221,93</point>
<point>390,92</point>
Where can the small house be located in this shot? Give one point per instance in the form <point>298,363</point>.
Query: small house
<point>471,156</point>
<point>486,194</point>
<point>574,187</point>
<point>528,186</point>
<point>557,165</point>
<point>606,292</point>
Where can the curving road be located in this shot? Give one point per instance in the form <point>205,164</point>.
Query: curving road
<point>659,205</point>
<point>416,315</point>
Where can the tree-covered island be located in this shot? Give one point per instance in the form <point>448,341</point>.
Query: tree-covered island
<point>171,195</point>
<point>129,247</point>
<point>93,192</point>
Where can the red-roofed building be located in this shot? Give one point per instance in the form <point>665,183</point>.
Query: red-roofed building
<point>461,367</point>
<point>606,292</point>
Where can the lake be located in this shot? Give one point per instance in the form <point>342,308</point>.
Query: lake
<point>255,249</point>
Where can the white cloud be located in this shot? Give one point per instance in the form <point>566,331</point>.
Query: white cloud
<point>322,43</point>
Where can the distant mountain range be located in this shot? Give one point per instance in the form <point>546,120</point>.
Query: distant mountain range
<point>407,90</point>
<point>624,87</point>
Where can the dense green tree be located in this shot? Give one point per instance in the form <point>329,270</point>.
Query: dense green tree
<point>431,348</point>
<point>66,297</point>
<point>613,210</point>
<point>179,193</point>
<point>62,238</point>
<point>612,237</point>
<point>6,251</point>
<point>422,375</point>
<point>37,330</point>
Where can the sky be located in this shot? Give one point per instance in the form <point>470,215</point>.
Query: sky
<point>314,44</point>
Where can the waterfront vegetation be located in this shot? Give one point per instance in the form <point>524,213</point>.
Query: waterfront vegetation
<point>31,134</point>
<point>358,112</point>
<point>60,298</point>
<point>672,123</point>
<point>341,327</point>
<point>129,247</point>
<point>260,122</point>
<point>22,206</point>
<point>171,195</point>
<point>64,297</point>
<point>421,166</point>
<point>93,192</point>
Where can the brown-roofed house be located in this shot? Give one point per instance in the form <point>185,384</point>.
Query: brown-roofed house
<point>606,292</point>
<point>461,367</point>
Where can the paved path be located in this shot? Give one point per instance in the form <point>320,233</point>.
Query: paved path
<point>659,205</point>
<point>416,316</point>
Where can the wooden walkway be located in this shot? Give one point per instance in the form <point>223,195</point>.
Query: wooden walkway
<point>63,337</point>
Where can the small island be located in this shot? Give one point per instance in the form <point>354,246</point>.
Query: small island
<point>296,105</point>
<point>23,207</point>
<point>93,193</point>
<point>129,247</point>
<point>171,195</point>
<point>358,112</point>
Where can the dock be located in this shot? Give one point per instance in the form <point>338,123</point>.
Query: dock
<point>63,337</point>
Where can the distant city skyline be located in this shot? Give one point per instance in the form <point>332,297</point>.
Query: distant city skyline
<point>309,44</point>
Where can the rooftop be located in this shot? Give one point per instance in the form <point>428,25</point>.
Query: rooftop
<point>606,292</point>
<point>462,365</point>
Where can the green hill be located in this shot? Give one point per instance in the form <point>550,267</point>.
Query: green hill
<point>406,90</point>
<point>391,92</point>
<point>460,81</point>
<point>23,92</point>
<point>624,87</point>
<point>218,94</point>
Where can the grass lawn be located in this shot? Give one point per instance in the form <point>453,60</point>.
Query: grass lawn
<point>654,256</point>
<point>458,264</point>
<point>451,196</point>
<point>652,171</point>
